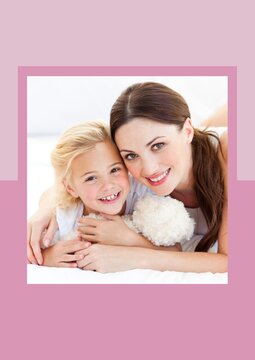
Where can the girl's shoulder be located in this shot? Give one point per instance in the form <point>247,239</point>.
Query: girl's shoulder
<point>67,217</point>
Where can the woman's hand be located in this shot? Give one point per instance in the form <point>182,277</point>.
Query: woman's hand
<point>65,253</point>
<point>41,226</point>
<point>111,231</point>
<point>106,258</point>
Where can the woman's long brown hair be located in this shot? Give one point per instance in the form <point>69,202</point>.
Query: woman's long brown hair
<point>159,103</point>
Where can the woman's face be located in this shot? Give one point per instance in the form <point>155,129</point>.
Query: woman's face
<point>156,154</point>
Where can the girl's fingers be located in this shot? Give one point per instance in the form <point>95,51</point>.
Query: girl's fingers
<point>90,266</point>
<point>88,237</point>
<point>72,246</point>
<point>68,264</point>
<point>85,252</point>
<point>72,258</point>
<point>90,230</point>
<point>85,261</point>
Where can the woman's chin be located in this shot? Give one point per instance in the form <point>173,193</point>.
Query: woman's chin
<point>163,190</point>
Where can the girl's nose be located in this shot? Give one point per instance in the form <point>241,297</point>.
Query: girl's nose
<point>107,185</point>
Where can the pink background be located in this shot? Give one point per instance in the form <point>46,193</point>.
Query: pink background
<point>123,322</point>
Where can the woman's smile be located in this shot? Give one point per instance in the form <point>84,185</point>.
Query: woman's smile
<point>159,178</point>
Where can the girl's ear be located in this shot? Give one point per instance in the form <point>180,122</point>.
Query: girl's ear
<point>189,130</point>
<point>70,189</point>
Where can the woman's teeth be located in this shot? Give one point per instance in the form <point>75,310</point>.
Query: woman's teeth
<point>110,197</point>
<point>160,177</point>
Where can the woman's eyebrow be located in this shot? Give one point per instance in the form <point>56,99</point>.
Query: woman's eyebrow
<point>149,143</point>
<point>156,138</point>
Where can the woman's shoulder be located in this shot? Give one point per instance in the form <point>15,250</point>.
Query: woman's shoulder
<point>222,134</point>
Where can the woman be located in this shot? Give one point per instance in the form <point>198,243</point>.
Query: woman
<point>151,126</point>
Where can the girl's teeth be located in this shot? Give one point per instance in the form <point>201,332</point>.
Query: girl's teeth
<point>110,197</point>
<point>159,177</point>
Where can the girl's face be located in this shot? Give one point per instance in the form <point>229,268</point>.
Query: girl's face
<point>156,154</point>
<point>100,179</point>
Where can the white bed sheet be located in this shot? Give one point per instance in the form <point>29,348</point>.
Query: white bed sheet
<point>40,176</point>
<point>49,275</point>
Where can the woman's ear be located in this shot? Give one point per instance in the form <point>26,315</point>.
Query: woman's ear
<point>189,130</point>
<point>70,189</point>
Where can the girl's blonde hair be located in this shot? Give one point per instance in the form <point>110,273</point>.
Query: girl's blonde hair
<point>73,142</point>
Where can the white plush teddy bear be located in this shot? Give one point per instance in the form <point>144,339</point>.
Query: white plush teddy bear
<point>162,220</point>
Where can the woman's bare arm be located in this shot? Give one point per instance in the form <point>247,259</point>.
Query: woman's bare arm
<point>219,118</point>
<point>43,219</point>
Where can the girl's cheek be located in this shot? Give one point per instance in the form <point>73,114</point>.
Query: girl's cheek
<point>133,169</point>
<point>123,181</point>
<point>90,193</point>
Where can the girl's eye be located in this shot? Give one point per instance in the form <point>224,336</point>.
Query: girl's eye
<point>158,146</point>
<point>130,156</point>
<point>91,178</point>
<point>115,170</point>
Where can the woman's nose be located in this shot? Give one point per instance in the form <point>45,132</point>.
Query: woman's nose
<point>149,166</point>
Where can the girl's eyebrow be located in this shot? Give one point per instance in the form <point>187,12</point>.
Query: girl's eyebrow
<point>116,163</point>
<point>96,171</point>
<point>148,144</point>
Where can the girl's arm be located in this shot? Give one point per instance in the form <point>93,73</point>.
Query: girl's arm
<point>114,231</point>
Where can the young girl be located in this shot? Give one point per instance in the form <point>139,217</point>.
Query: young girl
<point>90,178</point>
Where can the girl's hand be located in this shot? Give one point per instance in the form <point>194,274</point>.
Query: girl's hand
<point>43,220</point>
<point>105,258</point>
<point>65,253</point>
<point>111,231</point>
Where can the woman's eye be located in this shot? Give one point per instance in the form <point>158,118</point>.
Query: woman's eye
<point>158,146</point>
<point>130,156</point>
<point>91,178</point>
